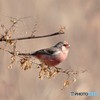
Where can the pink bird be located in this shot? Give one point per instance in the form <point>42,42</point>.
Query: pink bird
<point>51,56</point>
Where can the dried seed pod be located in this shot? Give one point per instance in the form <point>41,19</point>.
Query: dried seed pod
<point>26,63</point>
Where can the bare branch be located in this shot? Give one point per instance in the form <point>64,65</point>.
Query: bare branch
<point>32,37</point>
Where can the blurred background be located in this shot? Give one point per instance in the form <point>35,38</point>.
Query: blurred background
<point>82,21</point>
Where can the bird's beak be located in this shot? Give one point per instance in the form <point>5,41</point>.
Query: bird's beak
<point>68,46</point>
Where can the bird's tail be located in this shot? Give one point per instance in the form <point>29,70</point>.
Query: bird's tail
<point>25,54</point>
<point>20,54</point>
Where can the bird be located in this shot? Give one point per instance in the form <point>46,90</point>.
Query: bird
<point>51,56</point>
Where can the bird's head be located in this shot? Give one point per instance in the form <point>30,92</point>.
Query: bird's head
<point>63,43</point>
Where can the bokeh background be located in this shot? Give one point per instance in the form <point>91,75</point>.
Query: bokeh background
<point>82,21</point>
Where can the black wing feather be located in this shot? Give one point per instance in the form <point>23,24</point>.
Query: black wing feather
<point>48,51</point>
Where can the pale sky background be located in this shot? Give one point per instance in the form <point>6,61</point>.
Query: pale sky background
<point>82,21</point>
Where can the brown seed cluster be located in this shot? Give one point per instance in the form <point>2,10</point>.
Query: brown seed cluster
<point>25,63</point>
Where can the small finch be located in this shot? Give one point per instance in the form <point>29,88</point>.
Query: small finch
<point>51,56</point>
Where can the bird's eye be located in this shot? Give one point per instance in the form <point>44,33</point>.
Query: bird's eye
<point>64,45</point>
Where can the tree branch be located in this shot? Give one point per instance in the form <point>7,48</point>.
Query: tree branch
<point>32,37</point>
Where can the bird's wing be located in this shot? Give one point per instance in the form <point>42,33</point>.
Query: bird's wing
<point>48,51</point>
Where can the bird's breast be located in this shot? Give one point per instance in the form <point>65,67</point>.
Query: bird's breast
<point>52,60</point>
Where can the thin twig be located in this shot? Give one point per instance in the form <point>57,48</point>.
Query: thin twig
<point>32,37</point>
